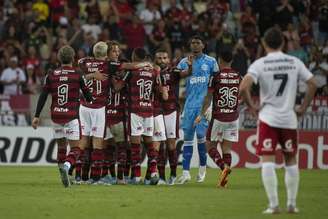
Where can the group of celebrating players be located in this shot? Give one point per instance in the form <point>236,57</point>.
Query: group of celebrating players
<point>126,103</point>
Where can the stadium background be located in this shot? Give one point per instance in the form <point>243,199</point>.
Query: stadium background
<point>33,31</point>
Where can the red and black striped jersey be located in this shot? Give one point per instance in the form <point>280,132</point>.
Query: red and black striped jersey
<point>141,84</point>
<point>64,85</point>
<point>170,78</point>
<point>116,106</point>
<point>225,88</point>
<point>99,89</point>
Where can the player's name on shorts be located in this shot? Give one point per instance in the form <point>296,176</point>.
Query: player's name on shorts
<point>229,81</point>
<point>145,104</point>
<point>280,68</point>
<point>60,109</point>
<point>146,74</point>
<point>226,111</point>
<point>111,111</point>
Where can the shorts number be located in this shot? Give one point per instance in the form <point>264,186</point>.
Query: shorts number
<point>145,88</point>
<point>62,92</point>
<point>228,97</point>
<point>284,79</point>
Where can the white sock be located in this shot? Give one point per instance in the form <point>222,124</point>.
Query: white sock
<point>270,182</point>
<point>67,165</point>
<point>292,179</point>
<point>186,173</point>
<point>202,170</point>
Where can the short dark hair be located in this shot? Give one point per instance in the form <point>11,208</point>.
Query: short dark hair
<point>66,54</point>
<point>226,55</point>
<point>196,37</point>
<point>140,53</point>
<point>273,38</point>
<point>161,50</point>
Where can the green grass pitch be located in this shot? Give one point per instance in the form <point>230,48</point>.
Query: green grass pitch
<point>36,192</point>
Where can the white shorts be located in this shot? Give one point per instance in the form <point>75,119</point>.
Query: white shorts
<point>116,131</point>
<point>70,130</point>
<point>141,125</point>
<point>93,121</point>
<point>159,128</point>
<point>171,124</point>
<point>218,131</point>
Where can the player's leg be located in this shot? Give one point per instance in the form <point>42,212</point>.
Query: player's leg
<point>108,167</point>
<point>120,137</point>
<point>267,141</point>
<point>230,135</point>
<point>188,127</point>
<point>288,140</point>
<point>201,129</point>
<point>98,126</point>
<point>152,149</point>
<point>172,130</point>
<point>135,129</point>
<point>161,163</point>
<point>83,164</point>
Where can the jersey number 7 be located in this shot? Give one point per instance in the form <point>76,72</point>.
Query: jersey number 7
<point>284,79</point>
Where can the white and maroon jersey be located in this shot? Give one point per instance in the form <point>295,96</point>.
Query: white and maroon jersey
<point>278,75</point>
<point>115,110</point>
<point>225,88</point>
<point>141,84</point>
<point>99,89</point>
<point>170,78</point>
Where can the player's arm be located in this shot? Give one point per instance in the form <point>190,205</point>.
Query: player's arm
<point>311,89</point>
<point>116,68</point>
<point>85,90</point>
<point>245,93</point>
<point>186,72</point>
<point>207,101</point>
<point>41,101</point>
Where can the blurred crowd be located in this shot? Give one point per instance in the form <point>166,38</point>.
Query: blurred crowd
<point>31,32</point>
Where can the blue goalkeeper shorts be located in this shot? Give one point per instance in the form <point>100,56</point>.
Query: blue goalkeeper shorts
<point>187,124</point>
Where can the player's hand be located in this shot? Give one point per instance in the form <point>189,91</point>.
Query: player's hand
<point>254,110</point>
<point>197,120</point>
<point>208,114</point>
<point>190,60</point>
<point>300,110</point>
<point>35,122</point>
<point>144,65</point>
<point>99,76</point>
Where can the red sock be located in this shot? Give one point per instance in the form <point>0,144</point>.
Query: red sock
<point>152,154</point>
<point>216,157</point>
<point>121,160</point>
<point>161,162</point>
<point>227,159</point>
<point>106,163</point>
<point>85,163</point>
<point>173,159</point>
<point>73,155</point>
<point>96,163</point>
<point>61,155</point>
<point>136,159</point>
<point>128,163</point>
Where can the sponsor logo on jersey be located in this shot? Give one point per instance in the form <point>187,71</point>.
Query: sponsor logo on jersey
<point>60,110</point>
<point>204,67</point>
<point>196,80</point>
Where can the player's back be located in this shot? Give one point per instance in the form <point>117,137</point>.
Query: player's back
<point>225,87</point>
<point>98,89</point>
<point>64,85</point>
<point>141,83</point>
<point>277,75</point>
<point>171,77</point>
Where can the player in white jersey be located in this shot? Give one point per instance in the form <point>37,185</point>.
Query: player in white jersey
<point>278,75</point>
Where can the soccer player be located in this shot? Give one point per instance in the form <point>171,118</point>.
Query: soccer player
<point>223,128</point>
<point>116,128</point>
<point>202,68</point>
<point>64,85</point>
<point>93,115</point>
<point>170,78</point>
<point>141,83</point>
<point>277,75</point>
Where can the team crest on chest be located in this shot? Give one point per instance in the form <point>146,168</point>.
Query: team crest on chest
<point>204,67</point>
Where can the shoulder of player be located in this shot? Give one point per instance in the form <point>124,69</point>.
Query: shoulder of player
<point>209,58</point>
